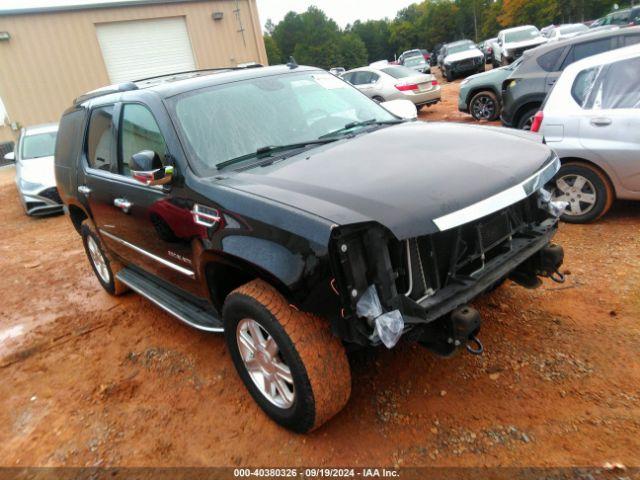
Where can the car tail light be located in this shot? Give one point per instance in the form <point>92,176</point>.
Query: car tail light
<point>434,83</point>
<point>537,121</point>
<point>404,87</point>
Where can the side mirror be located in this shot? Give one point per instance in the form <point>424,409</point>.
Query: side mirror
<point>401,108</point>
<point>147,168</point>
<point>10,157</point>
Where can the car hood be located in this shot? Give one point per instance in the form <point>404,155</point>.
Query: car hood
<point>403,177</point>
<point>525,43</point>
<point>37,170</point>
<point>490,77</point>
<point>456,57</point>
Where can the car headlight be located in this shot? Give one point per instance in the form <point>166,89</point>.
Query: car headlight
<point>27,185</point>
<point>447,64</point>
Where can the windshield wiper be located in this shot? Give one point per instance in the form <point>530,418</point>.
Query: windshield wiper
<point>271,149</point>
<point>365,123</point>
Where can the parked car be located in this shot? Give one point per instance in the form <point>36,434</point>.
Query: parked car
<point>306,233</point>
<point>460,58</point>
<point>486,47</point>
<point>622,18</point>
<point>433,59</point>
<point>35,179</point>
<point>412,53</point>
<point>417,63</point>
<point>394,82</point>
<point>513,42</point>
<point>481,94</point>
<point>527,86</point>
<point>569,30</point>
<point>337,71</point>
<point>592,121</point>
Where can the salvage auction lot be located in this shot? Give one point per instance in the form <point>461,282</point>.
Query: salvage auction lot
<point>89,379</point>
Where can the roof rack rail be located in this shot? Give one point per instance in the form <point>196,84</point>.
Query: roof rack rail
<point>202,70</point>
<point>120,87</point>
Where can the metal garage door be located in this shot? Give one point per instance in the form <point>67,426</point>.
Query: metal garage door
<point>144,48</point>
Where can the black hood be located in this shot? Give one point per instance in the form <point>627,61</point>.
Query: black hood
<point>403,176</point>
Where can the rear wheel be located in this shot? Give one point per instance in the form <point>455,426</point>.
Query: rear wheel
<point>484,106</point>
<point>448,75</point>
<point>104,268</point>
<point>586,189</point>
<point>526,120</point>
<point>290,362</point>
<point>378,99</point>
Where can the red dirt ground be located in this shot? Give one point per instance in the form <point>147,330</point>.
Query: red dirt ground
<point>92,380</point>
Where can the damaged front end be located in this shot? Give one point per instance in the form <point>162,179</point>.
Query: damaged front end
<point>420,287</point>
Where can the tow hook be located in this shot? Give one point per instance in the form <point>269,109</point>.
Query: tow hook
<point>479,347</point>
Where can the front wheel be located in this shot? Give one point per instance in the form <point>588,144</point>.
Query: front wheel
<point>484,106</point>
<point>587,191</point>
<point>448,75</point>
<point>292,365</point>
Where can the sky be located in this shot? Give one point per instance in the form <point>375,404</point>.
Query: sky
<point>342,11</point>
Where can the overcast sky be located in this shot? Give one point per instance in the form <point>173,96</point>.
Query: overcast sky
<point>342,11</point>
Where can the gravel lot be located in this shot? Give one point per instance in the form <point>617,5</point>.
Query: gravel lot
<point>88,379</point>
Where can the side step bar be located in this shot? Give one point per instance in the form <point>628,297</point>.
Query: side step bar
<point>172,303</point>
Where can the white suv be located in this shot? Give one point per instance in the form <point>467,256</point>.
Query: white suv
<point>512,42</point>
<point>592,120</point>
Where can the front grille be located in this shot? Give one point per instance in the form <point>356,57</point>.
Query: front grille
<point>51,194</point>
<point>433,261</point>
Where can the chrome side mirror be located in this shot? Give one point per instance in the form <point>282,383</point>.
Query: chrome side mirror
<point>146,167</point>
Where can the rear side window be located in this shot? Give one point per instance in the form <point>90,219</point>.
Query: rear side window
<point>629,40</point>
<point>549,60</point>
<point>587,49</point>
<point>139,131</point>
<point>398,72</point>
<point>583,85</point>
<point>101,140</point>
<point>67,144</point>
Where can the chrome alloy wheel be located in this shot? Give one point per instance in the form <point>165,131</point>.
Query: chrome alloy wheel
<point>264,363</point>
<point>576,190</point>
<point>98,260</point>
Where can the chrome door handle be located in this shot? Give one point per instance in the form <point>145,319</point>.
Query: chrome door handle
<point>83,189</point>
<point>600,121</point>
<point>123,204</point>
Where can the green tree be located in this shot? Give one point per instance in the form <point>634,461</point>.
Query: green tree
<point>375,35</point>
<point>274,55</point>
<point>353,51</point>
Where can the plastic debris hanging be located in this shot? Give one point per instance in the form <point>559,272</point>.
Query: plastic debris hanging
<point>545,203</point>
<point>388,326</point>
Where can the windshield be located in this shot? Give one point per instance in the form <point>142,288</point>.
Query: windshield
<point>225,122</point>
<point>567,29</point>
<point>414,61</point>
<point>39,145</point>
<point>460,48</point>
<point>522,35</point>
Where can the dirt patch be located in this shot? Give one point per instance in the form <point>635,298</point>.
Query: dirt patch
<point>89,379</point>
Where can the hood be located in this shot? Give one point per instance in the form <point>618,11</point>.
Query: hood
<point>402,177</point>
<point>495,75</point>
<point>465,55</point>
<point>525,43</point>
<point>37,170</point>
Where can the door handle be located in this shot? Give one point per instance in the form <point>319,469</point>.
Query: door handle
<point>600,121</point>
<point>83,189</point>
<point>123,204</point>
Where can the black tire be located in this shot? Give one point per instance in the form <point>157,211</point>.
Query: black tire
<point>485,106</point>
<point>419,107</point>
<point>448,75</point>
<point>596,184</point>
<point>526,119</point>
<point>316,359</point>
<point>111,267</point>
<point>378,99</point>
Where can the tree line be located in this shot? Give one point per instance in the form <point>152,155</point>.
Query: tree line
<point>312,38</point>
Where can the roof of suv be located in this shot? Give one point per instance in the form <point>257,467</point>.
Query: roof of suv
<point>174,84</point>
<point>586,37</point>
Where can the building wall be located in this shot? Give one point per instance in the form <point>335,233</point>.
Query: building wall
<point>52,57</point>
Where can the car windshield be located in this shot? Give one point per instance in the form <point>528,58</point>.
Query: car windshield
<point>225,122</point>
<point>38,145</point>
<point>522,35</point>
<point>414,61</point>
<point>568,29</point>
<point>399,72</point>
<point>460,48</point>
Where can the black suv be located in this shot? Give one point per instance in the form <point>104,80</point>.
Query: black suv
<point>284,208</point>
<point>526,88</point>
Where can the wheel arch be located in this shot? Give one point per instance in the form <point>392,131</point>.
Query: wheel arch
<point>595,166</point>
<point>474,91</point>
<point>77,216</point>
<point>526,105</point>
